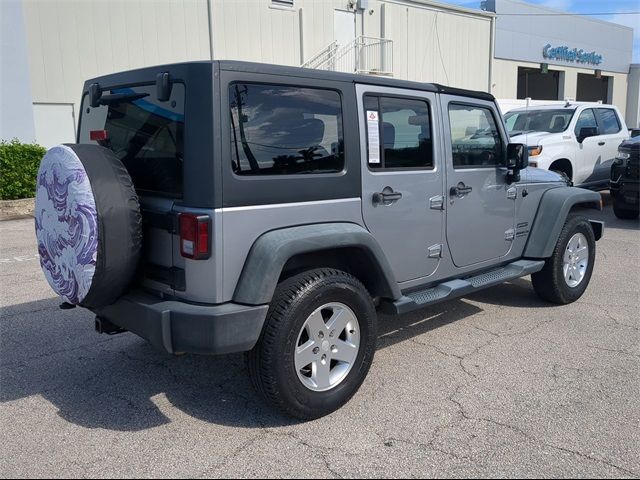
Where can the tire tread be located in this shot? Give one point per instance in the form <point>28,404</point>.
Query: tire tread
<point>261,359</point>
<point>547,283</point>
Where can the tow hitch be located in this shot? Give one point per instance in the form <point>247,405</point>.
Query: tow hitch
<point>105,326</point>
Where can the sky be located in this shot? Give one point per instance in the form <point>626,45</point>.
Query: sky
<point>589,6</point>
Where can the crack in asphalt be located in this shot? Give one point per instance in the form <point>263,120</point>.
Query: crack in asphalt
<point>211,471</point>
<point>323,451</point>
<point>531,438</point>
<point>448,354</point>
<point>610,316</point>
<point>465,416</point>
<point>613,350</point>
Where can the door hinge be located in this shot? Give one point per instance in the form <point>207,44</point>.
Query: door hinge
<point>510,234</point>
<point>435,251</point>
<point>512,193</point>
<point>163,220</point>
<point>436,203</point>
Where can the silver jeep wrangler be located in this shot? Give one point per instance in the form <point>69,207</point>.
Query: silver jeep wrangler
<point>239,207</point>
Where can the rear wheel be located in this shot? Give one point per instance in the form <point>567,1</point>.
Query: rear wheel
<point>317,344</point>
<point>567,272</point>
<point>624,210</point>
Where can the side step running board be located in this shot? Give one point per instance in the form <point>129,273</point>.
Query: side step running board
<point>459,287</point>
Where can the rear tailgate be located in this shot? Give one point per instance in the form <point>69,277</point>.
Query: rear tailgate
<point>169,158</point>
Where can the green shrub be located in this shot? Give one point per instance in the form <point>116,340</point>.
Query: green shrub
<point>19,164</point>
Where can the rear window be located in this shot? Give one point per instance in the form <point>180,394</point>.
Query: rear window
<point>405,127</point>
<point>145,134</point>
<point>285,130</point>
<point>609,123</point>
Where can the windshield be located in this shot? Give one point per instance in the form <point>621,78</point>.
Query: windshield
<point>552,121</point>
<point>143,132</point>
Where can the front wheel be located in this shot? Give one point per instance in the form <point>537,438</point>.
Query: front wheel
<point>567,272</point>
<point>624,210</point>
<point>317,343</point>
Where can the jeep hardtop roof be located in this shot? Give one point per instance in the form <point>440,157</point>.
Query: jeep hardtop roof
<point>310,73</point>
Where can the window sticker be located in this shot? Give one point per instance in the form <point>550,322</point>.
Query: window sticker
<point>373,133</point>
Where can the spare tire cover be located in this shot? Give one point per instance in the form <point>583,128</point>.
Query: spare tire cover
<point>88,224</point>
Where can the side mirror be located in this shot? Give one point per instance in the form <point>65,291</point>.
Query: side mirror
<point>517,156</point>
<point>586,132</point>
<point>517,159</point>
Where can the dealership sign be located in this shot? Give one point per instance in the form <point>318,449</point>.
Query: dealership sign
<point>571,55</point>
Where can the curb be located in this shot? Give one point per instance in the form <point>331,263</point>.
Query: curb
<point>16,209</point>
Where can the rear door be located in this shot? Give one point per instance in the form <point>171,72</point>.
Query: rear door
<point>147,135</point>
<point>611,136</point>
<point>480,203</point>
<point>402,177</point>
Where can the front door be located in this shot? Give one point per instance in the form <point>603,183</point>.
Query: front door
<point>402,177</point>
<point>480,204</point>
<point>591,152</point>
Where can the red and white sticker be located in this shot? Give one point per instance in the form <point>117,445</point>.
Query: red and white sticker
<point>373,134</point>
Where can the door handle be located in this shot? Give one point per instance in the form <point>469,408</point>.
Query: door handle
<point>600,143</point>
<point>460,190</point>
<point>386,196</point>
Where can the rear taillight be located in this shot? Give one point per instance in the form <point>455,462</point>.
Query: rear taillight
<point>98,135</point>
<point>194,236</point>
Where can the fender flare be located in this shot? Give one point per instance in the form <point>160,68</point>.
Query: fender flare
<point>271,251</point>
<point>553,210</point>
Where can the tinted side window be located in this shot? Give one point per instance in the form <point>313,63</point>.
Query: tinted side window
<point>609,122</point>
<point>586,119</point>
<point>281,130</point>
<point>404,130</point>
<point>475,139</point>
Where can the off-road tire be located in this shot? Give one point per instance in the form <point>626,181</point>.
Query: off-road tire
<point>549,283</point>
<point>623,210</point>
<point>271,362</point>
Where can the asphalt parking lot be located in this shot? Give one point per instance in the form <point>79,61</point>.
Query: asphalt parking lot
<point>496,384</point>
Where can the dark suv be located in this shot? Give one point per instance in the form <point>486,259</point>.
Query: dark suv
<point>625,179</point>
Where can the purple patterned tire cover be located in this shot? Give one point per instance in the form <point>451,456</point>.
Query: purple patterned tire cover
<point>88,224</point>
<point>66,224</point>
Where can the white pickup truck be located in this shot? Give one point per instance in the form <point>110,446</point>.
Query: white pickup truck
<point>579,140</point>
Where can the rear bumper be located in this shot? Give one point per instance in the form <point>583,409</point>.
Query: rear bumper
<point>176,326</point>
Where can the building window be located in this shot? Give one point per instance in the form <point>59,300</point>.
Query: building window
<point>532,83</point>
<point>593,89</point>
<point>284,130</point>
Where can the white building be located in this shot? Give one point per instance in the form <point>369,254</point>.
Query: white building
<point>584,59</point>
<point>54,45</point>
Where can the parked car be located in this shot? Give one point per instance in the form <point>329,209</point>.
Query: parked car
<point>580,140</point>
<point>634,132</point>
<point>625,178</point>
<point>218,207</point>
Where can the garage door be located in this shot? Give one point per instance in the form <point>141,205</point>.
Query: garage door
<point>54,124</point>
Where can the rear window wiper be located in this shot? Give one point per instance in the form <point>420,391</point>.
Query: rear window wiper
<point>117,98</point>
